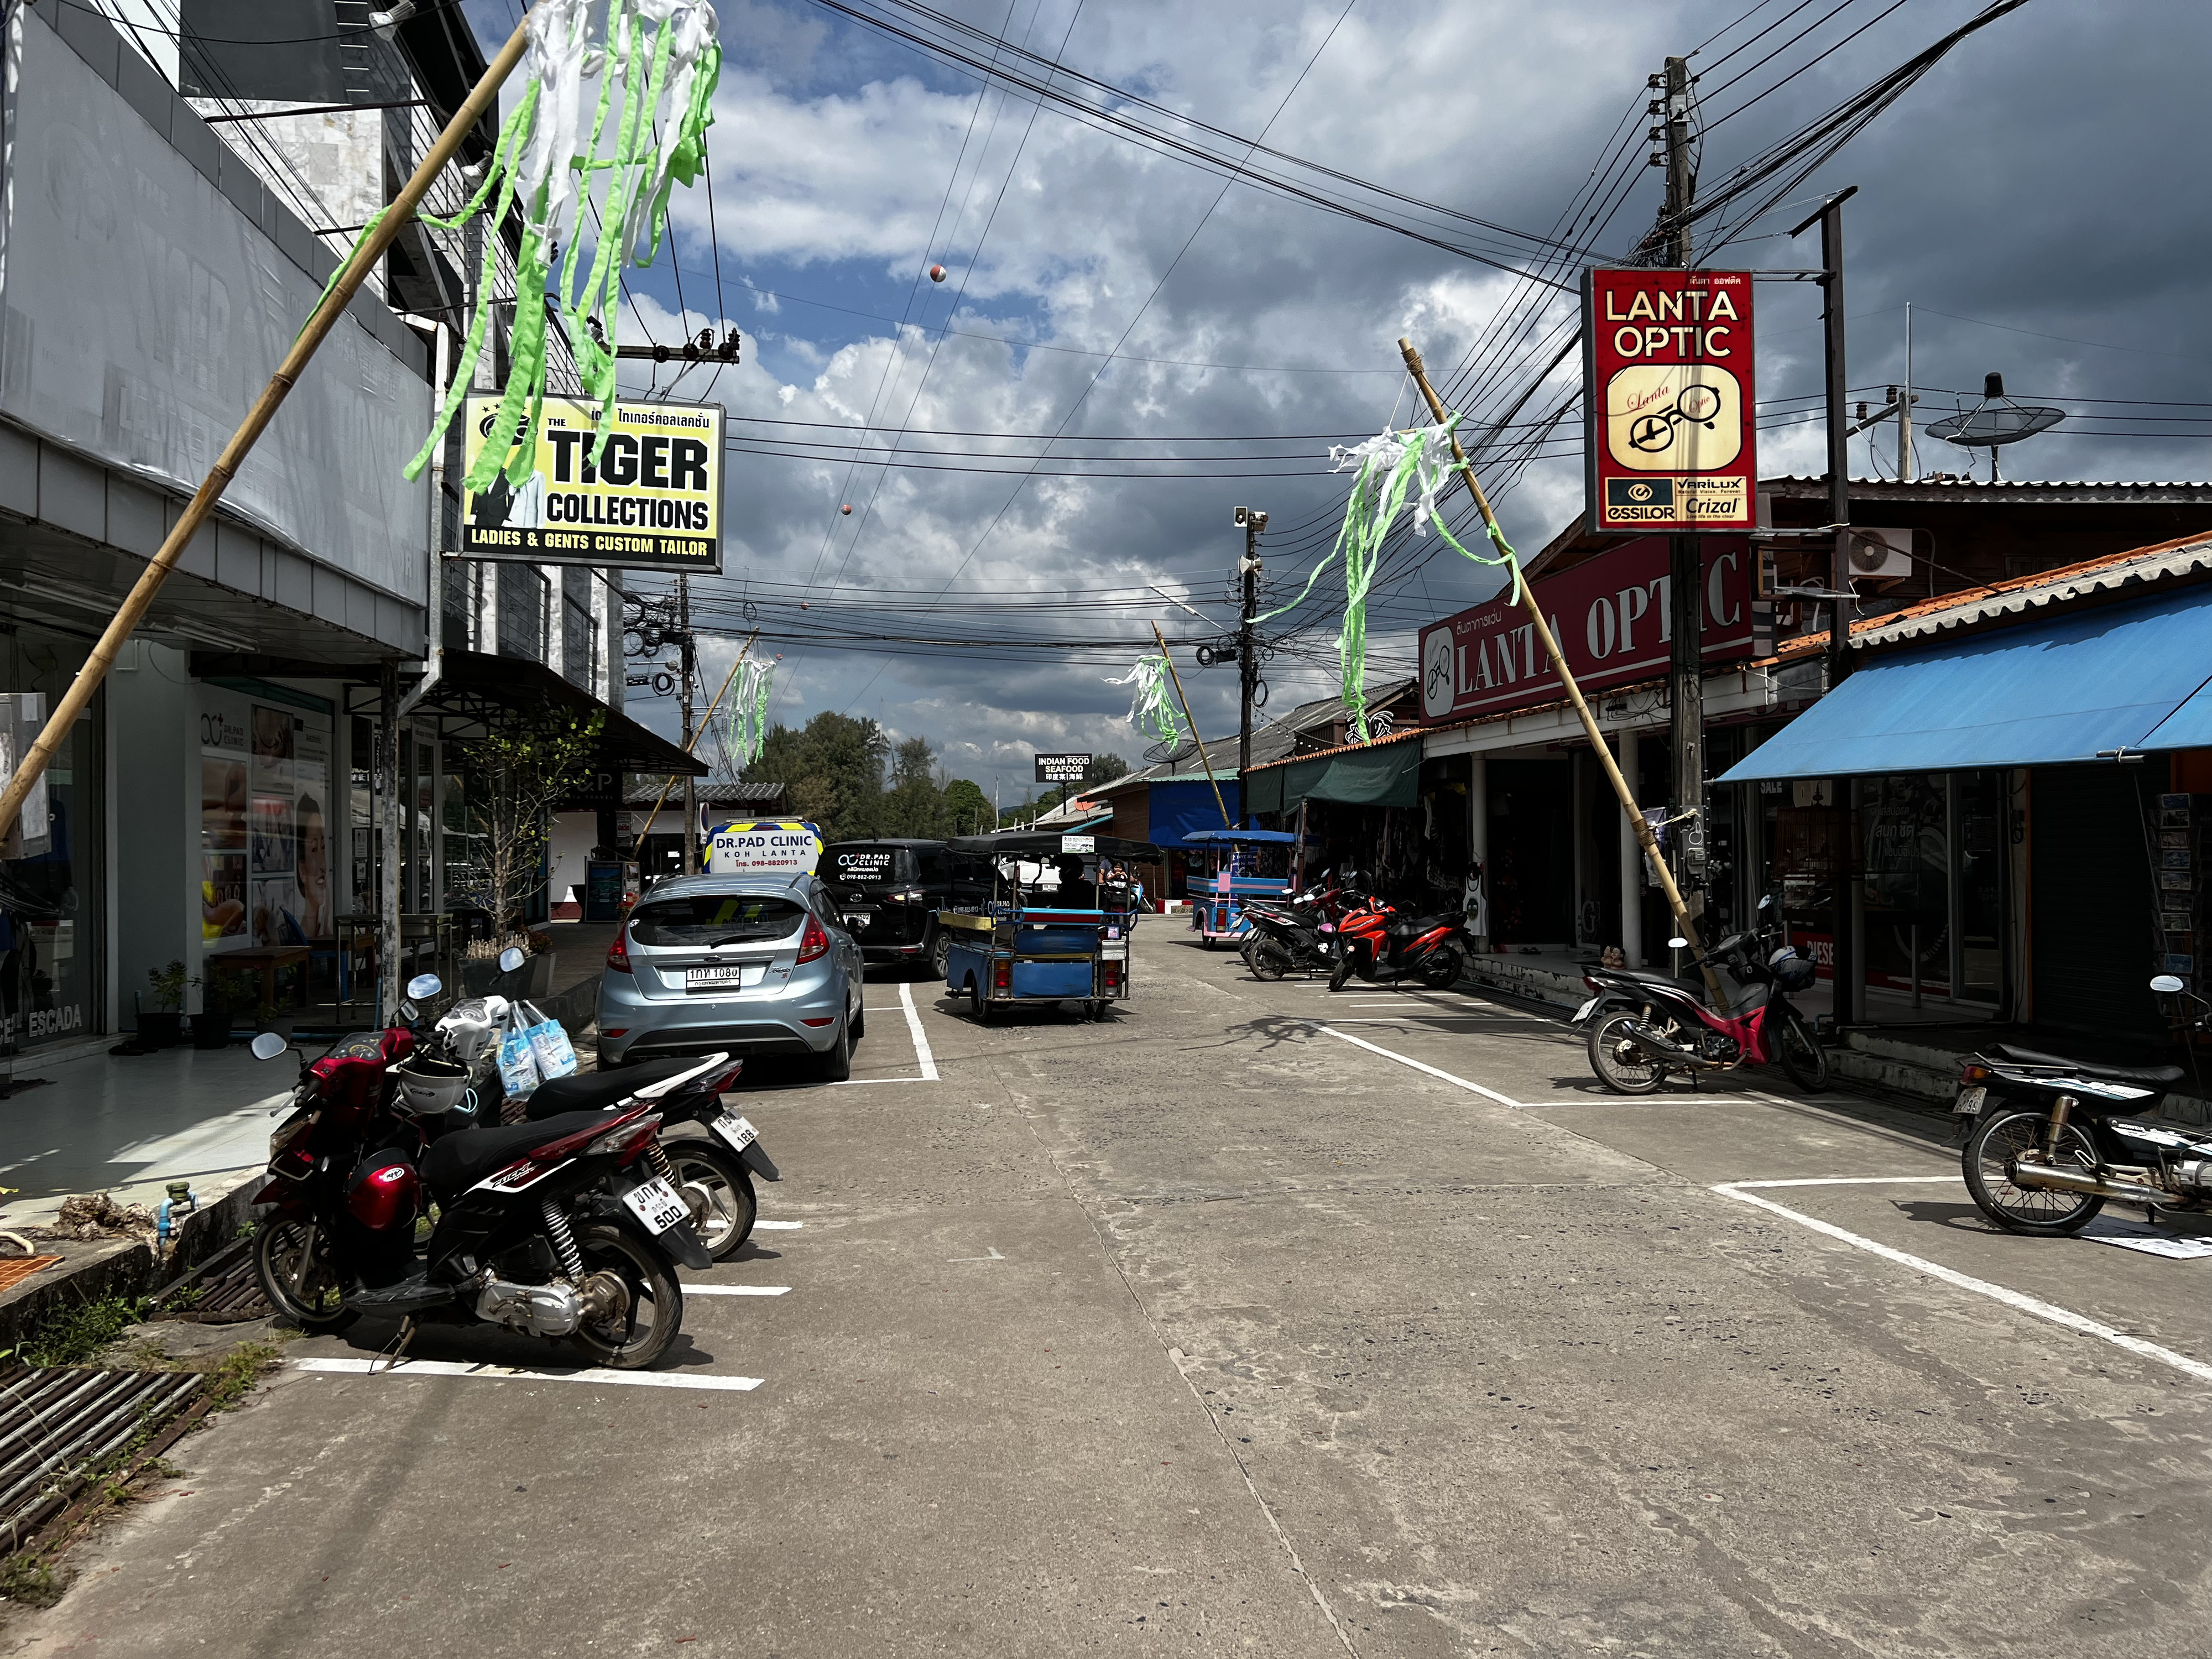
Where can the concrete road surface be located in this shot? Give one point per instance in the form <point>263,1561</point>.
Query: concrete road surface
<point>1252,1320</point>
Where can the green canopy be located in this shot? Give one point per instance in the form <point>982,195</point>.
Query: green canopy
<point>1389,775</point>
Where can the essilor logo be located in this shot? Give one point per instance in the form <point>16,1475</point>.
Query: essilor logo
<point>1639,492</point>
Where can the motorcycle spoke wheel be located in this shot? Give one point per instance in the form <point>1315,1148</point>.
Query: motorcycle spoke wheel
<point>725,1208</point>
<point>1994,1151</point>
<point>642,1333</point>
<point>1801,1055</point>
<point>1619,1062</point>
<point>299,1280</point>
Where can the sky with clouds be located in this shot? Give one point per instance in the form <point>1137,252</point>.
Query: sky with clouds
<point>2035,196</point>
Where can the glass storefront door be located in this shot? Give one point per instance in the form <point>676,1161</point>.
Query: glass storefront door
<point>52,863</point>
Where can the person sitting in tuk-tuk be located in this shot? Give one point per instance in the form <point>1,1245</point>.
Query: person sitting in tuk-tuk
<point>1075,893</point>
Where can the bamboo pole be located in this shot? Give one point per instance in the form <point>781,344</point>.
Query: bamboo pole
<point>1227,822</point>
<point>1620,787</point>
<point>638,846</point>
<point>357,267</point>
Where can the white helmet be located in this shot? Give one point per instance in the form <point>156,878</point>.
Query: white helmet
<point>426,1086</point>
<point>470,1029</point>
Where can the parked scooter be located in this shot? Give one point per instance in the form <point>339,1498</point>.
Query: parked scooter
<point>1290,935</point>
<point>2048,1146</point>
<point>554,1228</point>
<point>1384,948</point>
<point>1645,1027</point>
<point>707,1155</point>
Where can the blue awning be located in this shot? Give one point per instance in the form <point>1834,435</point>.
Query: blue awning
<point>2122,675</point>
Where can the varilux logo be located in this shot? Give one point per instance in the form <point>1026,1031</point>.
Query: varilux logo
<point>1639,492</point>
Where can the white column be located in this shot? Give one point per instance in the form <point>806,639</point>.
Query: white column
<point>1478,837</point>
<point>1631,867</point>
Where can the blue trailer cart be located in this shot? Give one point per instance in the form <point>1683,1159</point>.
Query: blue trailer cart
<point>1237,865</point>
<point>1048,932</point>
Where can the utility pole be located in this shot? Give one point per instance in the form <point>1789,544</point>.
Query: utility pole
<point>690,784</point>
<point>1247,660</point>
<point>1686,555</point>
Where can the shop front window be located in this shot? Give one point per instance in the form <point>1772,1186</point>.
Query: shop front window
<point>1979,815</point>
<point>51,890</point>
<point>1905,820</point>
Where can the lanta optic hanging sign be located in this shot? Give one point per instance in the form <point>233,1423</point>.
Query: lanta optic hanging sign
<point>1668,400</point>
<point>653,500</point>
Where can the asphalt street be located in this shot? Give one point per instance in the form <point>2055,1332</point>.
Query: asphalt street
<point>1252,1319</point>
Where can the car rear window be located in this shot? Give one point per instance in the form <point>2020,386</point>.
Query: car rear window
<point>861,864</point>
<point>714,919</point>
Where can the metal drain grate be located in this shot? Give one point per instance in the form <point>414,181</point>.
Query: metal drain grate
<point>57,1423</point>
<point>227,1296</point>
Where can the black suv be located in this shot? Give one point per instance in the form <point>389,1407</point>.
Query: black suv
<point>900,885</point>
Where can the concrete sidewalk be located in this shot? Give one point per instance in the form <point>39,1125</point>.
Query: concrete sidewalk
<point>127,1125</point>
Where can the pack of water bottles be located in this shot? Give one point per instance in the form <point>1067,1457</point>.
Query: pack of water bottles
<point>533,1049</point>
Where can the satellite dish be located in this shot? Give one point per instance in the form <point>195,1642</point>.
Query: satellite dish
<point>1996,420</point>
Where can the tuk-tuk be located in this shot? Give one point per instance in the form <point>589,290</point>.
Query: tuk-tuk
<point>1049,932</point>
<point>1238,865</point>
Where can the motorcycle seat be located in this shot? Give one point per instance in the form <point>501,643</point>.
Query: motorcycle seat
<point>456,1161</point>
<point>2146,1074</point>
<point>595,1091</point>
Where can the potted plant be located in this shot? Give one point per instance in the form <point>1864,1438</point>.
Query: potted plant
<point>211,1025</point>
<point>267,1017</point>
<point>162,1025</point>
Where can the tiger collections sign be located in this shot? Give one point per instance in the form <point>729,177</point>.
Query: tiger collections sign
<point>1668,400</point>
<point>651,500</point>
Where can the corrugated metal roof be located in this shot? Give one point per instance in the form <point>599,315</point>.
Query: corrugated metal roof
<point>2188,557</point>
<point>1349,748</point>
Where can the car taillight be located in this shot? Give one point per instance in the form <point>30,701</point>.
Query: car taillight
<point>1002,976</point>
<point>618,953</point>
<point>1113,975</point>
<point>814,942</point>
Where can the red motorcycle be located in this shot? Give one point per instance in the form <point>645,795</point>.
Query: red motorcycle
<point>1384,948</point>
<point>553,1229</point>
<point>1644,1026</point>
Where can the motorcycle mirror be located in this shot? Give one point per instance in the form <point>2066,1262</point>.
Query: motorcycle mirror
<point>1677,943</point>
<point>423,986</point>
<point>1767,903</point>
<point>2167,982</point>
<point>270,1045</point>
<point>510,959</point>
<point>410,1013</point>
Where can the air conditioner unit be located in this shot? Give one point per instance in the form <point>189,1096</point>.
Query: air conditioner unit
<point>1879,555</point>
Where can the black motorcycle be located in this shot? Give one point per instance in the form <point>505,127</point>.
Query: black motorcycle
<point>709,1154</point>
<point>2052,1140</point>
<point>1289,935</point>
<point>554,1229</point>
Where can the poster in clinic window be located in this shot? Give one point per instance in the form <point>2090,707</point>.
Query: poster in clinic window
<point>264,816</point>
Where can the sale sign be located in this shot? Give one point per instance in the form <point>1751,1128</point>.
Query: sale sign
<point>1613,617</point>
<point>1668,400</point>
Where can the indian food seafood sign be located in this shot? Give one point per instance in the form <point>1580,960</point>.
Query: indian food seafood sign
<point>651,500</point>
<point>1668,400</point>
<point>1613,617</point>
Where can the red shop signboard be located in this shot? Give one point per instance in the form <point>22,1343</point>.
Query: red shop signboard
<point>1613,617</point>
<point>1668,397</point>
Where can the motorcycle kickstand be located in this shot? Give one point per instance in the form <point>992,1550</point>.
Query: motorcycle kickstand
<point>398,1350</point>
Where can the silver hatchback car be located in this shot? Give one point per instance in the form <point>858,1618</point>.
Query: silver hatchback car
<point>752,964</point>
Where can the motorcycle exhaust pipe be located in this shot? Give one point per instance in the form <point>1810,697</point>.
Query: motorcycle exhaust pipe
<point>1666,1049</point>
<point>2070,1178</point>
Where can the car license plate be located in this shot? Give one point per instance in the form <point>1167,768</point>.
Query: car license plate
<point>655,1202</point>
<point>1969,1100</point>
<point>740,974</point>
<point>739,1133</point>
<point>1582,1012</point>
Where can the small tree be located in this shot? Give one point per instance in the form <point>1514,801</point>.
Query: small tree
<point>514,778</point>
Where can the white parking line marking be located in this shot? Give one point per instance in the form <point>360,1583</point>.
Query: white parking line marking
<point>518,1374</point>
<point>737,1289</point>
<point>778,1226</point>
<point>2011,1298</point>
<point>1849,1180</point>
<point>920,1042</point>
<point>1422,1066</point>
